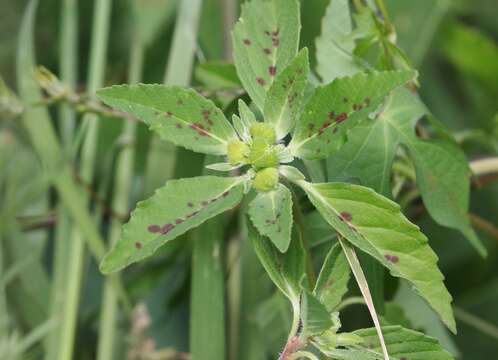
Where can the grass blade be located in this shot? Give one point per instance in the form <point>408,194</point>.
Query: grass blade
<point>365,291</point>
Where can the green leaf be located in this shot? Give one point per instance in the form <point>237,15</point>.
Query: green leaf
<point>442,172</point>
<point>339,106</point>
<point>271,214</point>
<point>217,75</point>
<point>285,270</point>
<point>178,115</point>
<point>316,319</point>
<point>175,208</point>
<point>332,283</point>
<point>376,225</point>
<point>404,344</point>
<point>265,40</point>
<point>283,102</point>
<point>335,46</point>
<point>423,318</point>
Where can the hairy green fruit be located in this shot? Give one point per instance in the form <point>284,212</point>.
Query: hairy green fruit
<point>263,155</point>
<point>237,152</point>
<point>266,180</point>
<point>264,131</point>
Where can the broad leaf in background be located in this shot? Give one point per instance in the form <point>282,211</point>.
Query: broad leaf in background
<point>335,46</point>
<point>285,270</point>
<point>403,344</point>
<point>175,208</point>
<point>314,315</point>
<point>271,214</point>
<point>265,41</point>
<point>376,225</point>
<point>339,106</point>
<point>443,177</point>
<point>283,102</point>
<point>178,115</point>
<point>332,283</point>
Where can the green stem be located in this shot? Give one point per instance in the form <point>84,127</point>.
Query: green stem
<point>76,257</point>
<point>476,322</point>
<point>181,60</point>
<point>68,50</point>
<point>122,186</point>
<point>4,321</point>
<point>385,14</point>
<point>298,215</point>
<point>68,72</point>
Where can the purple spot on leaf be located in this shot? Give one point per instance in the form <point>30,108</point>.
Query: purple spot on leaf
<point>392,258</point>
<point>154,229</point>
<point>138,245</point>
<point>346,216</point>
<point>167,228</point>
<point>341,118</point>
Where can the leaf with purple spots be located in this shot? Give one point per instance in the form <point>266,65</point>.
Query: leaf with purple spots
<point>336,108</point>
<point>442,171</point>
<point>284,98</point>
<point>178,115</point>
<point>377,226</point>
<point>265,40</point>
<point>403,344</point>
<point>271,214</point>
<point>174,209</point>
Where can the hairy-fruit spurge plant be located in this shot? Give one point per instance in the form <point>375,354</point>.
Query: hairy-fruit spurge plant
<point>294,119</point>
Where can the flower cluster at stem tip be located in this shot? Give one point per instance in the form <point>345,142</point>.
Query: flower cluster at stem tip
<point>260,153</point>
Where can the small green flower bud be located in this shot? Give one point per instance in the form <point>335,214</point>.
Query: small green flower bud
<point>264,131</point>
<point>237,152</point>
<point>266,180</point>
<point>262,154</point>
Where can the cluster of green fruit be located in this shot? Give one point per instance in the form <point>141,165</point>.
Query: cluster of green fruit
<point>261,153</point>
